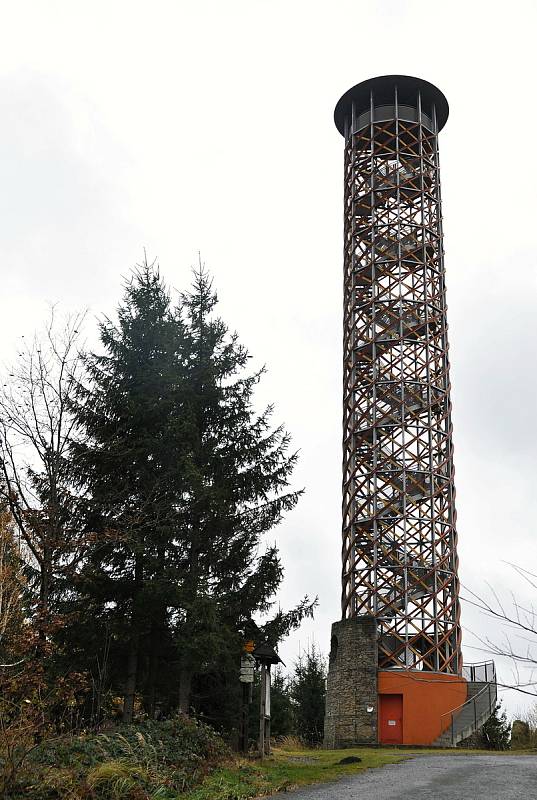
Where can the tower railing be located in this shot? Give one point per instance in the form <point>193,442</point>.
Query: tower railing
<point>482,672</point>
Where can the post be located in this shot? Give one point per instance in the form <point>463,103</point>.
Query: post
<point>246,678</point>
<point>243,742</point>
<point>267,710</point>
<point>262,706</point>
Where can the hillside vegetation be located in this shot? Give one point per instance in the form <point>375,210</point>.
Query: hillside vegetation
<point>132,762</point>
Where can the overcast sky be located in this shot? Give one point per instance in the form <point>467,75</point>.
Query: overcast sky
<point>207,125</point>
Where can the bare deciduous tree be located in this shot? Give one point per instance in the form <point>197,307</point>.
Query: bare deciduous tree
<point>36,427</point>
<point>516,637</point>
<point>11,587</point>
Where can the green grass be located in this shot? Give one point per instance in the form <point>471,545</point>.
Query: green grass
<point>286,770</point>
<point>181,760</point>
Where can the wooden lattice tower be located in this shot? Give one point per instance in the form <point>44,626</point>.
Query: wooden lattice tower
<point>399,536</point>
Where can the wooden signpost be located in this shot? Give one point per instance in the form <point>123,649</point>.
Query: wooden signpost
<point>265,655</point>
<point>247,680</point>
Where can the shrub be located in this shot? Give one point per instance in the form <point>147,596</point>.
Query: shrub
<point>118,780</point>
<point>524,731</point>
<point>153,760</point>
<point>496,731</point>
<point>520,734</point>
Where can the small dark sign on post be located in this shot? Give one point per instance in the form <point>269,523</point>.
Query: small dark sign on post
<point>265,655</point>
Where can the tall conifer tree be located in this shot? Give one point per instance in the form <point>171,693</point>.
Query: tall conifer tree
<point>129,461</point>
<point>181,480</point>
<point>238,472</point>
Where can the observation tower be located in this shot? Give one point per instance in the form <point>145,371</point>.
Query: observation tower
<point>396,673</point>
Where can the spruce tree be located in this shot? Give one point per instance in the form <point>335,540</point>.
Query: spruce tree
<point>496,732</point>
<point>237,473</point>
<point>308,691</point>
<point>129,464</point>
<point>179,479</point>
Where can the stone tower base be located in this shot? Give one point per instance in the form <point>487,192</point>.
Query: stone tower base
<point>351,689</point>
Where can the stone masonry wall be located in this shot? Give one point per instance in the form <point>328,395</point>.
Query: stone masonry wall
<point>352,684</point>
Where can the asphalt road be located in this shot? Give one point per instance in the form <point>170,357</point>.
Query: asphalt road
<point>458,777</point>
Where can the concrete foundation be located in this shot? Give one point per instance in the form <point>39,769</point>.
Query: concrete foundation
<point>351,690</point>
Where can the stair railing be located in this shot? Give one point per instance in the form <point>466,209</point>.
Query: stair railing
<point>481,704</point>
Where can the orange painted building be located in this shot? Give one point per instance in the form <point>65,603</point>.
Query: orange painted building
<point>412,705</point>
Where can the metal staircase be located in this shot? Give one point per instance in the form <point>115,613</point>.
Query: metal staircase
<point>395,322</point>
<point>398,404</point>
<point>470,717</point>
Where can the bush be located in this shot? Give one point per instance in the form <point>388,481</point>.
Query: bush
<point>133,762</point>
<point>520,734</point>
<point>496,732</point>
<point>524,731</point>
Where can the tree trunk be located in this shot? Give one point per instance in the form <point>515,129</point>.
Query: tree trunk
<point>130,683</point>
<point>44,590</point>
<point>45,580</point>
<point>134,645</point>
<point>185,685</point>
<point>154,658</point>
<point>158,628</point>
<point>192,584</point>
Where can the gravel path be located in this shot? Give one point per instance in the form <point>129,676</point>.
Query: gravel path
<point>495,777</point>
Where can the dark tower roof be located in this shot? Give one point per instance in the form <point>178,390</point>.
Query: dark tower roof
<point>383,89</point>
